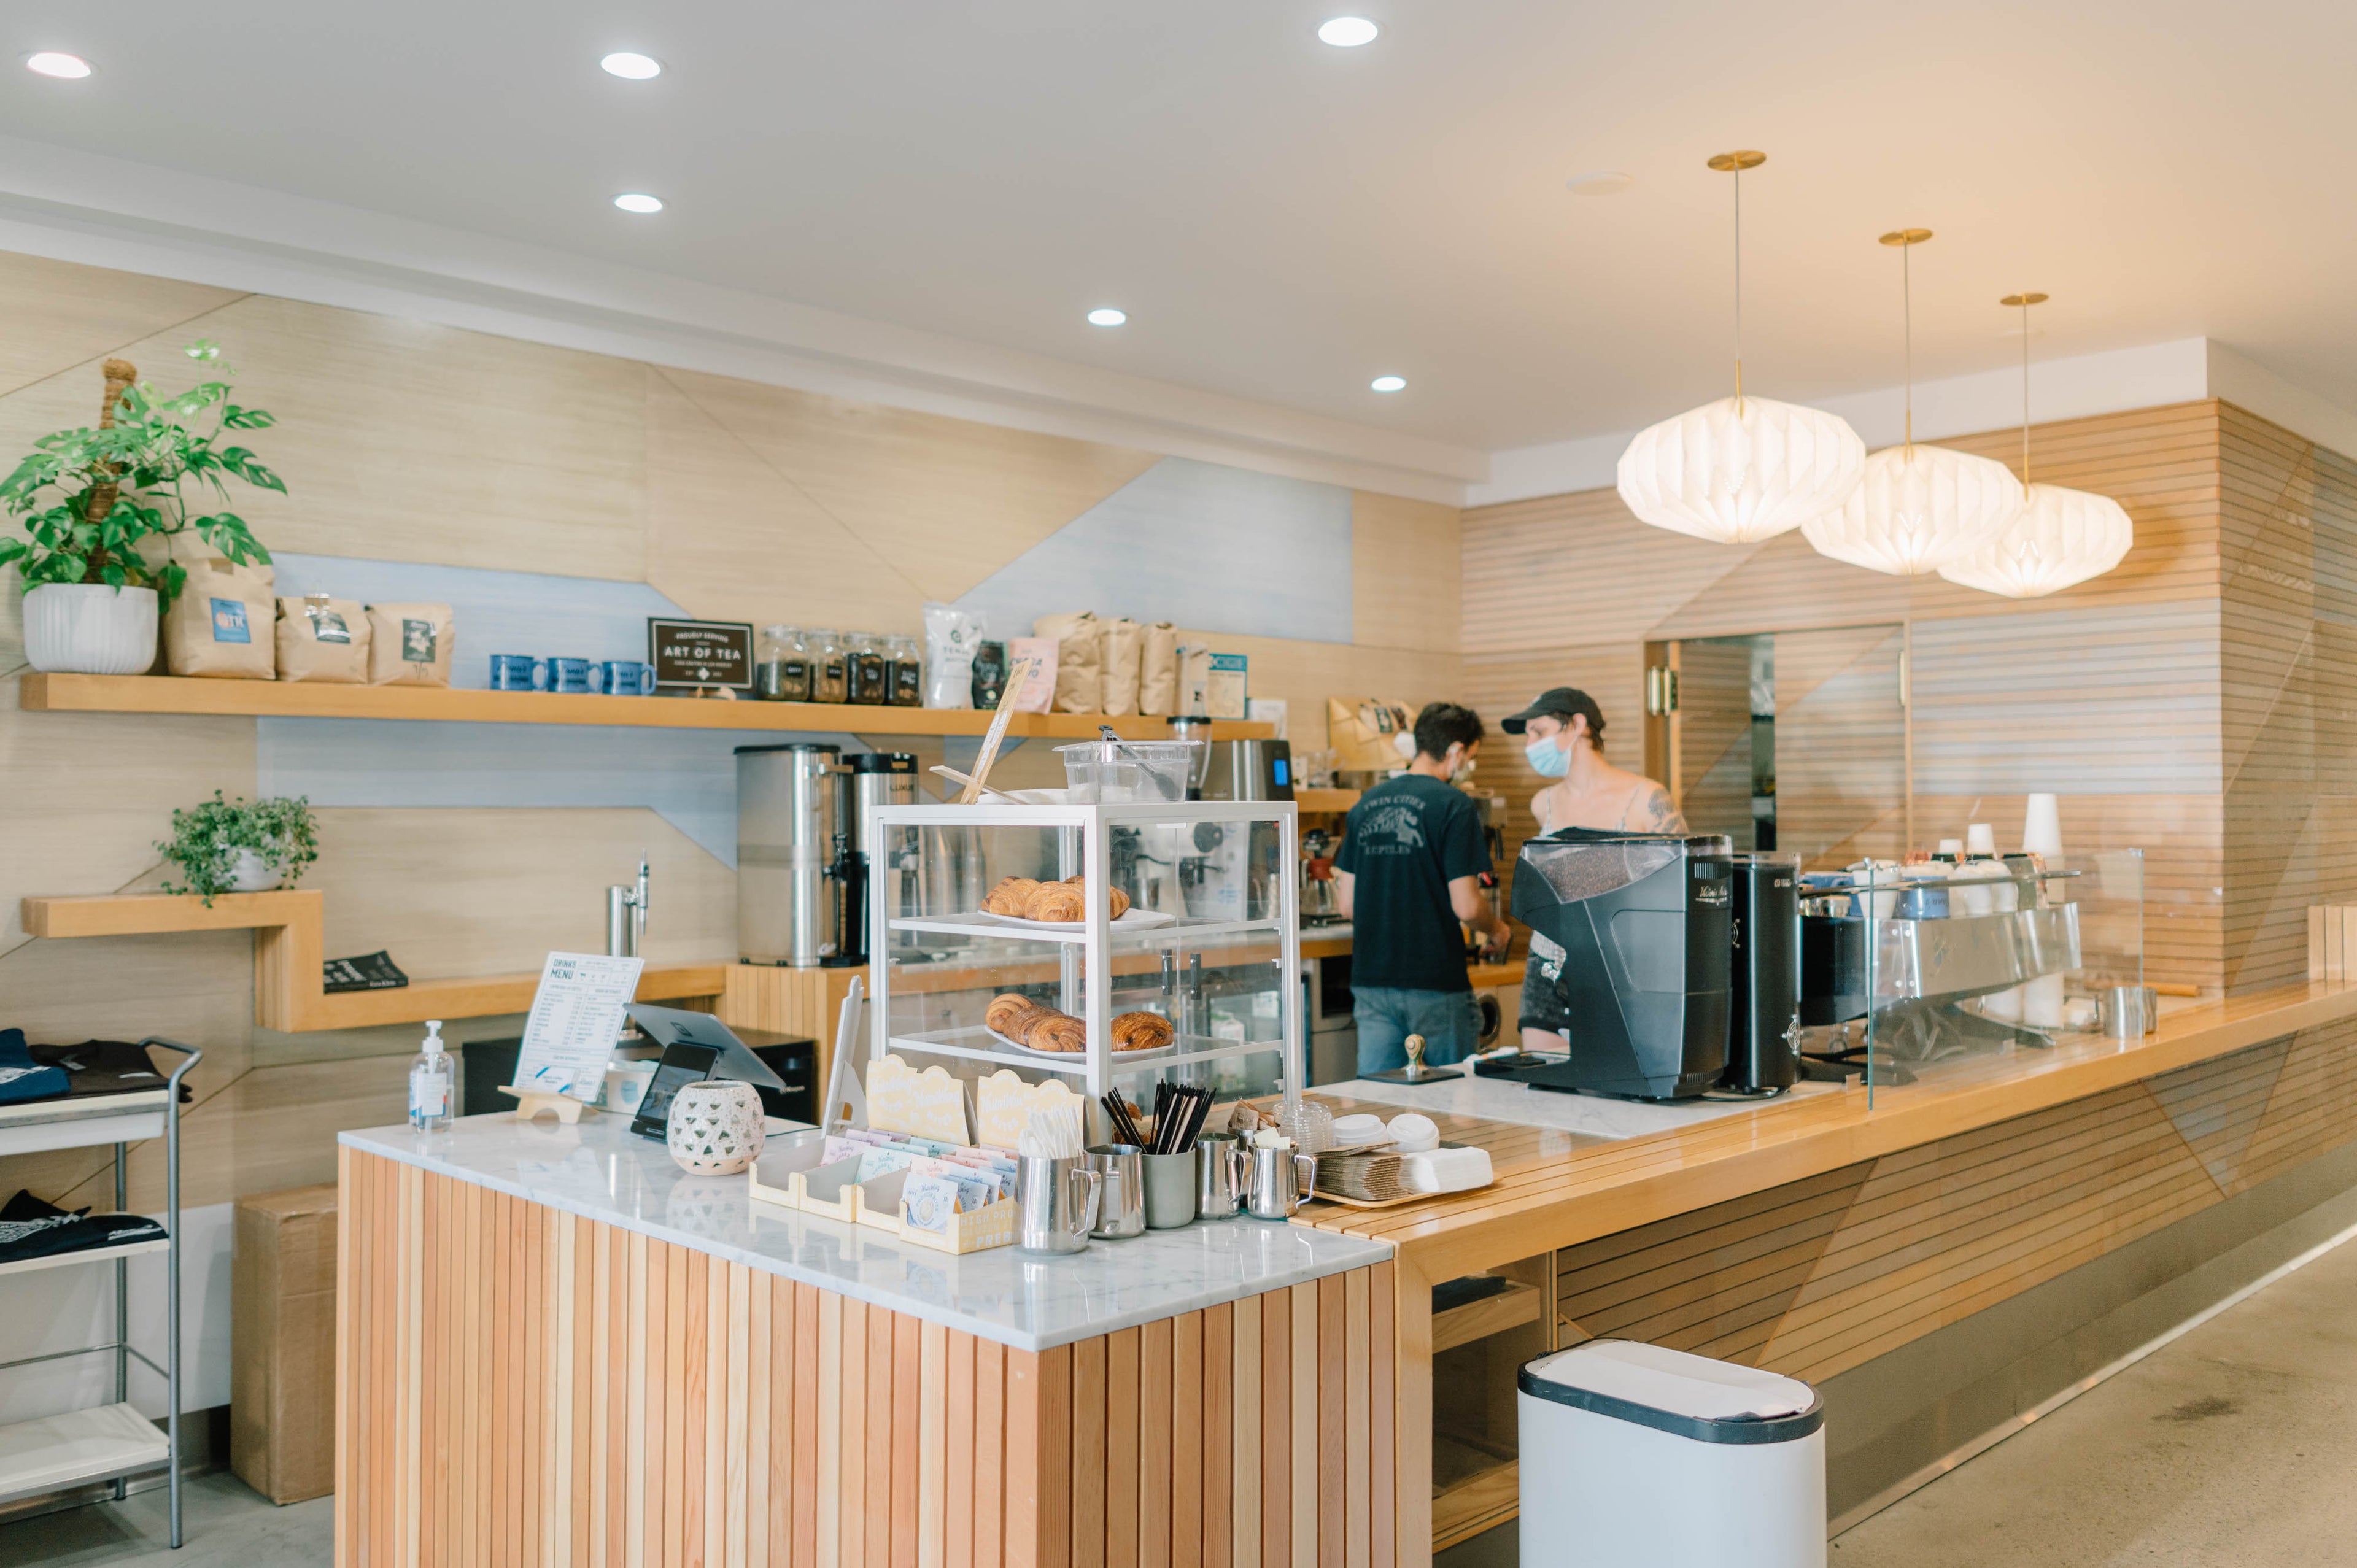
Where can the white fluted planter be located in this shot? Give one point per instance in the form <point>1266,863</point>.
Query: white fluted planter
<point>715,1128</point>
<point>89,629</point>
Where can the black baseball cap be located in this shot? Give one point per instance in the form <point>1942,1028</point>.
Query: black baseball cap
<point>1561,703</point>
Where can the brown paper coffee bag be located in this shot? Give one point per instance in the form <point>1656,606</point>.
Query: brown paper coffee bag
<point>323,638</point>
<point>1157,672</point>
<point>1037,692</point>
<point>1080,660</point>
<point>410,645</point>
<point>1124,650</point>
<point>221,624</point>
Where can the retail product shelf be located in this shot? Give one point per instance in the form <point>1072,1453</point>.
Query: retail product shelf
<point>90,1256</point>
<point>289,994</point>
<point>76,1447</point>
<point>61,694</point>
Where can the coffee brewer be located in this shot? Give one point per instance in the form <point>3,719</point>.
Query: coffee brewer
<point>1643,920</point>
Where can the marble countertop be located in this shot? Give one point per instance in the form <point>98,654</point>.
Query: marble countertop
<point>598,1170</point>
<point>1501,1100</point>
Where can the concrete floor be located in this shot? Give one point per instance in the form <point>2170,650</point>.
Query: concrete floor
<point>2235,1446</point>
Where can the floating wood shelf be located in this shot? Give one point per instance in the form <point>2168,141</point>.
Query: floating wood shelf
<point>1510,1308</point>
<point>289,993</point>
<point>1336,801</point>
<point>53,694</point>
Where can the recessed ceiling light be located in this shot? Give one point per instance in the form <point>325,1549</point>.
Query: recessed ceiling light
<point>638,201</point>
<point>1348,32</point>
<point>49,62</point>
<point>631,67</point>
<point>1604,183</point>
<point>1107,316</point>
<point>1389,384</point>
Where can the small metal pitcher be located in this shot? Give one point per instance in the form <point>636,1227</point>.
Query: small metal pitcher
<point>1056,1204</point>
<point>1282,1181</point>
<point>1223,1171</point>
<point>1121,1205</point>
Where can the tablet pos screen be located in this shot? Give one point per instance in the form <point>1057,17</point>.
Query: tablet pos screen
<point>681,1066</point>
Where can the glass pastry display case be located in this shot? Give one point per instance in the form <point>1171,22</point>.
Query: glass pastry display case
<point>1117,945</point>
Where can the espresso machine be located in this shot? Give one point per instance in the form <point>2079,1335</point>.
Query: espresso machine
<point>1644,923</point>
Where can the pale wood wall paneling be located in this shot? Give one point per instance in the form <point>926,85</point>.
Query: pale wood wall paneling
<point>947,500</point>
<point>1408,559</point>
<point>1841,745</point>
<point>731,537</point>
<point>62,314</point>
<point>525,1386</point>
<point>1820,1276</point>
<point>454,891</point>
<point>1714,732</point>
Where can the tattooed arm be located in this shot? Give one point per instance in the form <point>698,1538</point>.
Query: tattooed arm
<point>1651,812</point>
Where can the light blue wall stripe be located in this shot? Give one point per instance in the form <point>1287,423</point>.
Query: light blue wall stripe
<point>1209,547</point>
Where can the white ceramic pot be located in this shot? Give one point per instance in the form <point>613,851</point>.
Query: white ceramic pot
<point>249,873</point>
<point>715,1129</point>
<point>89,629</point>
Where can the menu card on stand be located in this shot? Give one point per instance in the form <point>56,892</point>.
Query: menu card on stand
<point>576,1017</point>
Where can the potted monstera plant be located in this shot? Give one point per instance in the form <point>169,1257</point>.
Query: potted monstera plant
<point>100,507</point>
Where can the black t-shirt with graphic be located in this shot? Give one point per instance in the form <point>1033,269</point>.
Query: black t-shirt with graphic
<point>1406,840</point>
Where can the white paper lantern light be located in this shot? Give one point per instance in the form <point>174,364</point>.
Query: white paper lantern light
<point>2062,537</point>
<point>1740,469</point>
<point>1919,509</point>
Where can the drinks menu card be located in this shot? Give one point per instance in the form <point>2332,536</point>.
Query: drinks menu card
<point>576,1017</point>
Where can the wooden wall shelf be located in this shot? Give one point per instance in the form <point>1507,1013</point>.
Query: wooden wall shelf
<point>288,992</point>
<point>1335,800</point>
<point>54,693</point>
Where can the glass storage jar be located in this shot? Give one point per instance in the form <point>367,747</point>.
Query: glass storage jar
<point>782,667</point>
<point>830,673</point>
<point>906,667</point>
<point>870,682</point>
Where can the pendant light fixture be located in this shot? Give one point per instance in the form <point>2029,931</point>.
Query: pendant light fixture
<point>1743,469</point>
<point>2063,536</point>
<point>1919,508</point>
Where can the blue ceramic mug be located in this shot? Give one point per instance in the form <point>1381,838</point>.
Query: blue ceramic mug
<point>515,672</point>
<point>565,675</point>
<point>618,678</point>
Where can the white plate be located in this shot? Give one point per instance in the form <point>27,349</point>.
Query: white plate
<point>1133,921</point>
<point>1079,1056</point>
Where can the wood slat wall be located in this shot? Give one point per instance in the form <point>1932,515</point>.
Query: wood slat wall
<point>1820,1276</point>
<point>2200,701</point>
<point>522,1386</point>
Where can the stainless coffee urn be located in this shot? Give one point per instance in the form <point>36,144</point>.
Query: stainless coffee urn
<point>790,835</point>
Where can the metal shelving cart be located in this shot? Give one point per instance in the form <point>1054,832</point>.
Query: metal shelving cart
<point>110,1442</point>
<point>1212,941</point>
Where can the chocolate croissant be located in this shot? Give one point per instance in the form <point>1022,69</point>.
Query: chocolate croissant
<point>1142,1032</point>
<point>1053,1031</point>
<point>1055,901</point>
<point>1008,897</point>
<point>1010,1014</point>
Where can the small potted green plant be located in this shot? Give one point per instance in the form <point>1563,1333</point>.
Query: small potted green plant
<point>100,510</point>
<point>235,846</point>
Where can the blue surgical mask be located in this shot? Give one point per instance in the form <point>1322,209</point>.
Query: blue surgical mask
<point>1547,759</point>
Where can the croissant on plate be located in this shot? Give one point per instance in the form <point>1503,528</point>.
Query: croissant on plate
<point>1010,1014</point>
<point>1117,899</point>
<point>1008,897</point>
<point>1142,1032</point>
<point>1053,1031</point>
<point>1057,901</point>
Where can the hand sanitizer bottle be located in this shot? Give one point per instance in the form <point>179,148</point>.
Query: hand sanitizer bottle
<point>429,1083</point>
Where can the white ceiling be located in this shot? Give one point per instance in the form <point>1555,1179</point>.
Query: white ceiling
<point>1284,220</point>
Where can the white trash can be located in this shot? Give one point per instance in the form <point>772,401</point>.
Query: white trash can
<point>1637,1457</point>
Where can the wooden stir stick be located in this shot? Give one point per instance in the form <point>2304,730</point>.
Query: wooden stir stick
<point>1016,678</point>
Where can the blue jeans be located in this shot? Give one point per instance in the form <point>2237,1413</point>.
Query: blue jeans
<point>1449,1021</point>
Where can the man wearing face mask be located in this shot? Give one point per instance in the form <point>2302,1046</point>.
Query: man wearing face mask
<point>1409,870</point>
<point>1564,732</point>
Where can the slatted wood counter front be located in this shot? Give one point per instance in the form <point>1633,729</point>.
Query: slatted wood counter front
<point>519,1385</point>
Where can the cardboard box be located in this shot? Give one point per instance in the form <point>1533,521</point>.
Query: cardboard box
<point>282,1417</point>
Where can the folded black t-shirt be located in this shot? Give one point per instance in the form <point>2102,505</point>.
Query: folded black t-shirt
<point>30,1228</point>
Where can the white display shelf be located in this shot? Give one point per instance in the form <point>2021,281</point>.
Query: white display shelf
<point>946,1043</point>
<point>76,1447</point>
<point>1179,931</point>
<point>90,1255</point>
<point>39,1125</point>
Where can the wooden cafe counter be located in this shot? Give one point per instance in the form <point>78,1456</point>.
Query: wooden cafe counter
<point>556,1348</point>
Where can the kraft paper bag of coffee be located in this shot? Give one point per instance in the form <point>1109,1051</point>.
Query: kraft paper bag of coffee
<point>410,645</point>
<point>1157,672</point>
<point>323,638</point>
<point>1080,660</point>
<point>1194,678</point>
<point>221,624</point>
<point>1124,650</point>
